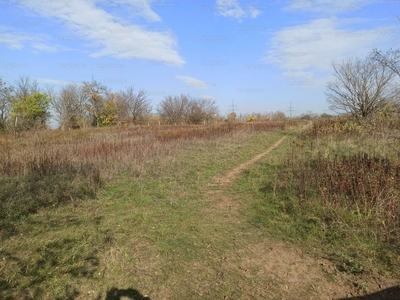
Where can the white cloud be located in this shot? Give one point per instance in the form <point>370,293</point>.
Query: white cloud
<point>107,33</point>
<point>43,47</point>
<point>14,41</point>
<point>141,7</point>
<point>194,82</point>
<point>53,81</point>
<point>232,9</point>
<point>328,6</point>
<point>18,40</point>
<point>308,50</point>
<point>253,12</point>
<point>298,74</point>
<point>208,97</point>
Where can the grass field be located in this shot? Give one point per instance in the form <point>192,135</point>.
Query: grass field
<point>148,213</point>
<point>140,228</point>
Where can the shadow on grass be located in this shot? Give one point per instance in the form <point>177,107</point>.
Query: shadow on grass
<point>24,195</point>
<point>116,294</point>
<point>392,293</point>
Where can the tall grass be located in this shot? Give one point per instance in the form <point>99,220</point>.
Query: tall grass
<point>48,168</point>
<point>345,176</point>
<point>367,185</point>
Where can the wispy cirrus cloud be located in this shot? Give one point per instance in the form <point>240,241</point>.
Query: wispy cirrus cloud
<point>233,9</point>
<point>14,41</point>
<point>194,82</point>
<point>328,6</point>
<point>307,50</point>
<point>54,81</point>
<point>140,8</point>
<point>108,34</point>
<point>18,40</point>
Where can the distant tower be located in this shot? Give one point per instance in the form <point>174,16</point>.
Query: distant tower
<point>232,107</point>
<point>290,110</point>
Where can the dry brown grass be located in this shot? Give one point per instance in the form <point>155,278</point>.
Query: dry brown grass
<point>48,168</point>
<point>144,229</point>
<point>342,179</point>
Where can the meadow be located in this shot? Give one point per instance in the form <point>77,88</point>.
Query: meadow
<point>145,212</point>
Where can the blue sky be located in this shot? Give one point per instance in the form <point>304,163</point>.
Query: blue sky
<point>263,55</point>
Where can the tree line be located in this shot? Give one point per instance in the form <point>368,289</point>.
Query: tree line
<point>25,106</point>
<point>362,87</point>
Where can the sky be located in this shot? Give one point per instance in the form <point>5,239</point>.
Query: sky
<point>248,55</point>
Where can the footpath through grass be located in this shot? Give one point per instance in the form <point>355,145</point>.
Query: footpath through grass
<point>336,192</point>
<point>169,231</point>
<point>150,233</point>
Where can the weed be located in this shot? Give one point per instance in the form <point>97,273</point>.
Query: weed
<point>340,184</point>
<point>145,226</point>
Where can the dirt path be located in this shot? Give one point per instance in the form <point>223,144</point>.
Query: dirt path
<point>279,270</point>
<point>233,174</point>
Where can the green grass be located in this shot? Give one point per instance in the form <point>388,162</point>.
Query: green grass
<point>162,232</point>
<point>351,240</point>
<point>149,232</point>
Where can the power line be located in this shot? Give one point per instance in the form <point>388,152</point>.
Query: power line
<point>290,110</point>
<point>233,107</point>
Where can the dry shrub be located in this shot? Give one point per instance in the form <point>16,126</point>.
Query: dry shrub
<point>334,126</point>
<point>378,125</point>
<point>214,131</point>
<point>49,168</point>
<point>367,185</point>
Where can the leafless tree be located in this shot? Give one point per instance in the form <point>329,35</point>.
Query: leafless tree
<point>389,59</point>
<point>5,103</point>
<point>69,106</point>
<point>201,110</point>
<point>277,116</point>
<point>174,109</point>
<point>24,87</point>
<point>133,105</point>
<point>95,94</point>
<point>361,87</point>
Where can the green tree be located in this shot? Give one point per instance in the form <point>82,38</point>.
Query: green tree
<point>108,114</point>
<point>32,111</point>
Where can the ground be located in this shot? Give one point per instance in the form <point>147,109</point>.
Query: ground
<point>179,229</point>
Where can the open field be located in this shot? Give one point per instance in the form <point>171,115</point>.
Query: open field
<point>157,213</point>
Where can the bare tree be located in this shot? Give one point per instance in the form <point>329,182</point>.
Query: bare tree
<point>174,109</point>
<point>132,105</point>
<point>362,87</point>
<point>96,94</point>
<point>70,106</point>
<point>201,110</point>
<point>389,59</point>
<point>277,116</point>
<point>5,103</point>
<point>24,87</point>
